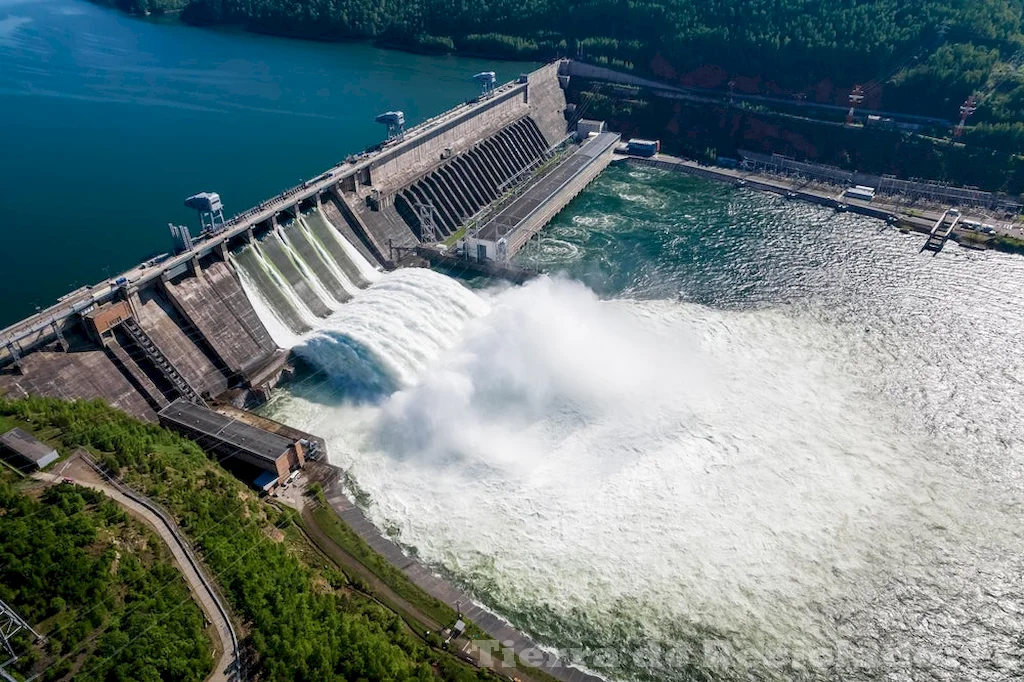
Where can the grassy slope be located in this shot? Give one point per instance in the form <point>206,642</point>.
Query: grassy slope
<point>305,619</point>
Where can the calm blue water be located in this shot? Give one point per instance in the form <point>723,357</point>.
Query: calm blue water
<point>108,122</point>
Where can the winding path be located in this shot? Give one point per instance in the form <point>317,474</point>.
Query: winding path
<point>199,584</point>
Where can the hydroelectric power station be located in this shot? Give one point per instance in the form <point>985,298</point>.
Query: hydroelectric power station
<point>485,175</point>
<point>190,338</point>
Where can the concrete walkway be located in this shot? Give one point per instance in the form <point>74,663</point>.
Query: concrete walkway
<point>200,586</point>
<point>495,626</point>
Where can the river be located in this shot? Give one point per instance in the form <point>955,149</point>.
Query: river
<point>731,437</point>
<point>108,122</point>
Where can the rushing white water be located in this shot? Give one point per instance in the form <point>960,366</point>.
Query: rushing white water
<point>814,473</point>
<point>267,286</point>
<point>279,331</point>
<point>392,330</point>
<point>350,288</point>
<point>642,475</point>
<point>309,275</point>
<point>284,310</point>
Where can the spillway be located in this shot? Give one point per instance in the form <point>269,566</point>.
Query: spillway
<point>299,274</point>
<point>284,261</point>
<point>317,265</point>
<point>392,330</point>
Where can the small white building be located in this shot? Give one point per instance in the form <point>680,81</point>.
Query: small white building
<point>483,250</point>
<point>860,192</point>
<point>586,128</point>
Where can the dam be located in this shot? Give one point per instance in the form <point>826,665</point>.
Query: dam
<point>213,322</point>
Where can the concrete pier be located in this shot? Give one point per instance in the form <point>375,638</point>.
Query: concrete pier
<point>503,234</point>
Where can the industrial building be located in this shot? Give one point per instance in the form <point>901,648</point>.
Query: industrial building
<point>267,457</point>
<point>25,452</point>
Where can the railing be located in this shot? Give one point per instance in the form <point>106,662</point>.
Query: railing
<point>185,548</point>
<point>164,365</point>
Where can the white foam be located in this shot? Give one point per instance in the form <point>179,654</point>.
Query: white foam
<point>705,470</point>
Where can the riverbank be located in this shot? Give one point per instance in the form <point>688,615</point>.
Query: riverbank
<point>911,217</point>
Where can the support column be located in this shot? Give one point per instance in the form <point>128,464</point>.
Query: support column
<point>441,201</point>
<point>455,191</point>
<point>462,171</point>
<point>477,160</point>
<point>501,168</point>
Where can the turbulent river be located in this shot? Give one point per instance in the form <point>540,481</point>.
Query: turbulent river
<point>729,437</point>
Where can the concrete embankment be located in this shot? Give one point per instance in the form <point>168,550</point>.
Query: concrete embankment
<point>917,220</point>
<point>441,589</point>
<point>194,329</point>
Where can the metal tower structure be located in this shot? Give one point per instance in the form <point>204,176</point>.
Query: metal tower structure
<point>428,227</point>
<point>486,79</point>
<point>966,109</point>
<point>10,625</point>
<point>61,341</point>
<point>15,354</point>
<point>856,99</point>
<point>182,238</point>
<point>395,121</point>
<point>210,209</point>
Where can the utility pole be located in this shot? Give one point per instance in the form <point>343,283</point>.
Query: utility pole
<point>856,99</point>
<point>966,109</point>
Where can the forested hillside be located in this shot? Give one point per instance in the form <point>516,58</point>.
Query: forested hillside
<point>927,55</point>
<point>99,586</point>
<point>305,622</point>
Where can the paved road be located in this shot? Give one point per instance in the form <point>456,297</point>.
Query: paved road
<point>223,671</point>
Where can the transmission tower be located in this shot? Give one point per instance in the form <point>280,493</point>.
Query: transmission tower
<point>10,625</point>
<point>856,99</point>
<point>966,109</point>
<point>428,228</point>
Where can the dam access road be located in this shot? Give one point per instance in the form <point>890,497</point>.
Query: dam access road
<point>87,473</point>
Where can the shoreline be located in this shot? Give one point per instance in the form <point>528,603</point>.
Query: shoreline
<point>1007,239</point>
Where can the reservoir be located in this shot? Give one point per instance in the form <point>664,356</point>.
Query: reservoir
<point>108,122</point>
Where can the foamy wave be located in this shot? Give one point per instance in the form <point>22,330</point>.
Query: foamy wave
<point>585,464</point>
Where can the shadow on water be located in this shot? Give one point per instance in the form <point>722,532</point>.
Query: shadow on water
<point>332,368</point>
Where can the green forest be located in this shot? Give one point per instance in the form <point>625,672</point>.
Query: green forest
<point>305,622</point>
<point>99,587</point>
<point>920,56</point>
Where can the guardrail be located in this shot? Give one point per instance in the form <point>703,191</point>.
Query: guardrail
<point>185,548</point>
<point>36,325</point>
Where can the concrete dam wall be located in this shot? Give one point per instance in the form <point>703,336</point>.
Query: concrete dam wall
<point>212,322</point>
